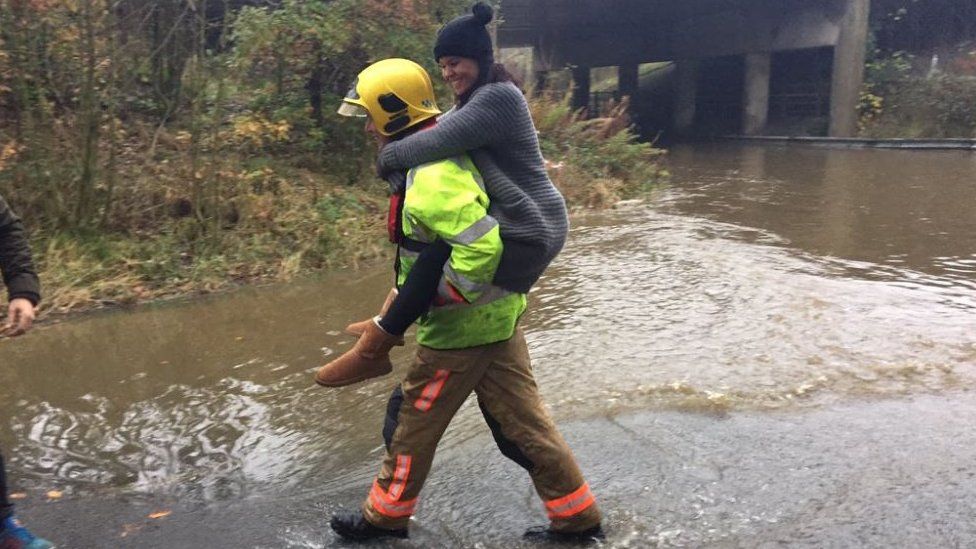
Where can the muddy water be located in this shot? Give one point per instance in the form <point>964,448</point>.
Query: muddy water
<point>762,277</point>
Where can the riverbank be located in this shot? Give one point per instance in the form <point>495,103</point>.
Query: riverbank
<point>872,474</point>
<point>277,220</point>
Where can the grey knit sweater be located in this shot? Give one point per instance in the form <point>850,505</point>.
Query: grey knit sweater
<point>496,129</point>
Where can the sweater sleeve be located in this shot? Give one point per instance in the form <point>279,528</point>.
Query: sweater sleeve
<point>486,119</point>
<point>15,258</point>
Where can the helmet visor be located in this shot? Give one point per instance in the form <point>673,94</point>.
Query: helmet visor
<point>349,109</point>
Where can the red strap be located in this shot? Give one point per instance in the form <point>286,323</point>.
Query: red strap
<point>393,217</point>
<point>454,297</point>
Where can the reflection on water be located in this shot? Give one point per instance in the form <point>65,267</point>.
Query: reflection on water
<point>901,208</point>
<point>762,277</point>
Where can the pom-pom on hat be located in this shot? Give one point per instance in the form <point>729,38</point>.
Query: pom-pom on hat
<point>466,36</point>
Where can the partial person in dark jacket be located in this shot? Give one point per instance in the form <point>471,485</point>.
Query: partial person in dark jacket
<point>24,292</point>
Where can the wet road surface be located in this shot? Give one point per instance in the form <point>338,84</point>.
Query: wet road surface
<point>885,473</point>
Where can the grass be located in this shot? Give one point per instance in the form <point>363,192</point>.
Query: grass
<point>595,162</point>
<point>296,230</point>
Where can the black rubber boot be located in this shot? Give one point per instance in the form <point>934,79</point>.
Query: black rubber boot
<point>352,525</point>
<point>545,535</point>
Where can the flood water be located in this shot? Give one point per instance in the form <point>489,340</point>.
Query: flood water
<point>761,279</point>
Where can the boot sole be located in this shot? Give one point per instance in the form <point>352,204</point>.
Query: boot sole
<point>366,537</point>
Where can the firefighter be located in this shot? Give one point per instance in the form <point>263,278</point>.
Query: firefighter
<point>469,340</point>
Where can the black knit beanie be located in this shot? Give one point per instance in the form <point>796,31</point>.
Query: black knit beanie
<point>466,36</point>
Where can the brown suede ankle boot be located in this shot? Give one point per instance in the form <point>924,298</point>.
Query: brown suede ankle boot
<point>369,358</point>
<point>357,328</point>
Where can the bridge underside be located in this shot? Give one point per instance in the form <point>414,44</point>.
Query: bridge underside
<point>758,58</point>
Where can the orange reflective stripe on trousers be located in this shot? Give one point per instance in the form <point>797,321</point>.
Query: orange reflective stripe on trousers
<point>432,390</point>
<point>388,502</point>
<point>570,505</point>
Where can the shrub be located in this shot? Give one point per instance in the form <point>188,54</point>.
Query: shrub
<point>897,101</point>
<point>594,162</point>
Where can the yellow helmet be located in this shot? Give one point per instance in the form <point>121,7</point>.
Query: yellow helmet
<point>395,93</point>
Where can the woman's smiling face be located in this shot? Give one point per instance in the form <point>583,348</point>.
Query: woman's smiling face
<point>459,72</point>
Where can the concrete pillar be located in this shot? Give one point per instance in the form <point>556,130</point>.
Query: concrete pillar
<point>685,96</point>
<point>755,112</point>
<point>540,69</point>
<point>581,87</point>
<point>627,80</point>
<point>845,91</point>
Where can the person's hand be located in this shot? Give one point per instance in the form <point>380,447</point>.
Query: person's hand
<point>20,317</point>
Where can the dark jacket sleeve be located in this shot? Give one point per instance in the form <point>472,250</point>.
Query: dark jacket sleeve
<point>19,275</point>
<point>485,120</point>
<point>418,290</point>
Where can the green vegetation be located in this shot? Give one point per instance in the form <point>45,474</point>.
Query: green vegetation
<point>921,70</point>
<point>164,148</point>
<point>595,162</point>
<point>899,100</point>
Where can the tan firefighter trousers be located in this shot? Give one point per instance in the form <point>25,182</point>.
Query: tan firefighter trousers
<point>435,386</point>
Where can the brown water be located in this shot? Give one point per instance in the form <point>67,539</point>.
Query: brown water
<point>762,277</point>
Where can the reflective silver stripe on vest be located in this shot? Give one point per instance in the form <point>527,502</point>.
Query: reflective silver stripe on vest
<point>479,180</point>
<point>418,232</point>
<point>477,230</point>
<point>463,283</point>
<point>491,294</point>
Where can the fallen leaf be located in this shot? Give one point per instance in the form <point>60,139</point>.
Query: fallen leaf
<point>55,494</point>
<point>160,514</point>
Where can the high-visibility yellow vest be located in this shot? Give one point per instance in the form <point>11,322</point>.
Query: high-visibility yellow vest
<point>447,200</point>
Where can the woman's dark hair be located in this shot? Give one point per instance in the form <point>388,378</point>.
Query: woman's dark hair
<point>497,74</point>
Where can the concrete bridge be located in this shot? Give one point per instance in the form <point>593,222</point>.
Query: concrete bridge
<point>739,66</point>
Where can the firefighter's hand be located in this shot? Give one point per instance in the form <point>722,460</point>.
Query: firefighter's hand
<point>20,318</point>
